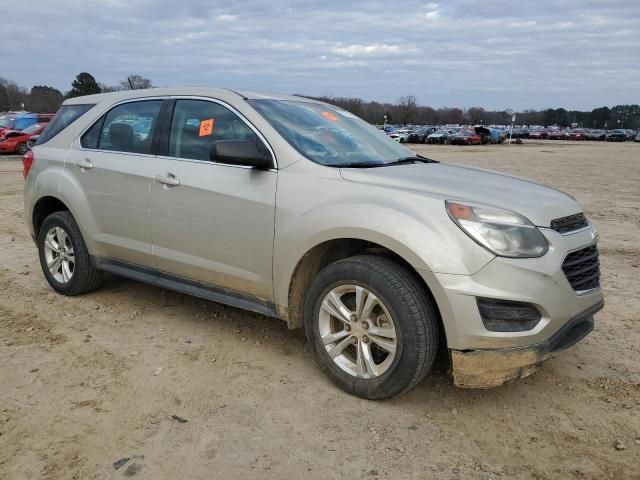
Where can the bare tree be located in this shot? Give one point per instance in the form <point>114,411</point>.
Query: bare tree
<point>475,115</point>
<point>45,99</point>
<point>109,88</point>
<point>407,109</point>
<point>135,82</point>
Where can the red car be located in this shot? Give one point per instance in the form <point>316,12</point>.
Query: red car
<point>576,134</point>
<point>20,121</point>
<point>465,137</point>
<point>15,141</point>
<point>538,133</point>
<point>556,135</point>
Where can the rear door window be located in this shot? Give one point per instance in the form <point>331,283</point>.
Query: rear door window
<point>65,116</point>
<point>196,124</point>
<point>125,128</point>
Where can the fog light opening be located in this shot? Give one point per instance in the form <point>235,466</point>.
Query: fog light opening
<point>507,316</point>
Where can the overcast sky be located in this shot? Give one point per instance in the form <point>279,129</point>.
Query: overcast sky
<point>502,54</point>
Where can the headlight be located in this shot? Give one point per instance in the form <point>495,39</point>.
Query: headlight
<point>502,232</point>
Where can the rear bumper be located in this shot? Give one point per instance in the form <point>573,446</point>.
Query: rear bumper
<point>494,367</point>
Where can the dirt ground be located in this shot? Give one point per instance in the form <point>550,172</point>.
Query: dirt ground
<point>89,380</point>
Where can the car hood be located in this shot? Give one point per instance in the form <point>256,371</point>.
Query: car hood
<point>537,202</point>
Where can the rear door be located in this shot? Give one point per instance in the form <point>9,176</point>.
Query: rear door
<point>212,223</point>
<point>114,166</point>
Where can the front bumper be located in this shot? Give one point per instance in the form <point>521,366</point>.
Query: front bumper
<point>492,368</point>
<point>540,282</point>
<point>8,147</point>
<point>481,357</point>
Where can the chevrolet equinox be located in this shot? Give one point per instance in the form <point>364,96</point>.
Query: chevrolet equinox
<point>299,210</point>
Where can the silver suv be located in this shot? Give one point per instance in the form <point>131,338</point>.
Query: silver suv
<point>299,210</point>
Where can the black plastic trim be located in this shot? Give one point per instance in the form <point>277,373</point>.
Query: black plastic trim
<point>179,284</point>
<point>164,128</point>
<point>507,316</point>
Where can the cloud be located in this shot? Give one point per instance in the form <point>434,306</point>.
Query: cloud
<point>551,53</point>
<point>374,50</point>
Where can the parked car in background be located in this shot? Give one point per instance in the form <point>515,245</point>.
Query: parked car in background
<point>538,133</point>
<point>556,135</point>
<point>14,141</point>
<point>519,132</point>
<point>599,135</point>
<point>401,135</point>
<point>631,134</point>
<point>487,134</point>
<point>637,137</point>
<point>617,135</point>
<point>20,121</point>
<point>576,134</point>
<point>420,134</point>
<point>465,137</point>
<point>441,135</point>
<point>264,202</point>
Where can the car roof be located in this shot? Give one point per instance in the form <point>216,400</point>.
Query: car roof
<point>221,93</point>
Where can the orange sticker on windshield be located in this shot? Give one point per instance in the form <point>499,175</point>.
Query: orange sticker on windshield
<point>206,127</point>
<point>330,116</point>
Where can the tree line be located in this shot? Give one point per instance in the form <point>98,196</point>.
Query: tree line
<point>43,98</point>
<point>406,111</point>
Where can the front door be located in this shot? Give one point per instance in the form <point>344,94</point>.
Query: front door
<point>210,222</point>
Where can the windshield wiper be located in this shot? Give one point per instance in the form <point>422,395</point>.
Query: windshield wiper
<point>358,165</point>
<point>414,159</point>
<point>399,161</point>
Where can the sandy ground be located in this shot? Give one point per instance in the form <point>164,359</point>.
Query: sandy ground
<point>89,380</point>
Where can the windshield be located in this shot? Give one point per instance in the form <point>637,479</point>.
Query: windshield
<point>329,135</point>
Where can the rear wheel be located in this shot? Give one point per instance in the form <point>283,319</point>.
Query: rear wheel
<point>371,327</point>
<point>64,257</point>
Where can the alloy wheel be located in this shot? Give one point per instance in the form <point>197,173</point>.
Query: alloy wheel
<point>58,253</point>
<point>357,331</point>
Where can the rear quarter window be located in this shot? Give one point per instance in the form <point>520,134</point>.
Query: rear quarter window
<point>65,116</point>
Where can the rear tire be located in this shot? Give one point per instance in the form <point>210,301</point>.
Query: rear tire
<point>381,349</point>
<point>21,148</point>
<point>64,257</point>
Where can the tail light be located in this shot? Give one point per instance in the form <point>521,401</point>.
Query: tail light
<point>27,161</point>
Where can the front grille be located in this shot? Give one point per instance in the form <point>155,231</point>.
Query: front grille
<point>570,223</point>
<point>582,269</point>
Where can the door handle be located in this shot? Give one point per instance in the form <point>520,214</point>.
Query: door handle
<point>84,164</point>
<point>169,180</point>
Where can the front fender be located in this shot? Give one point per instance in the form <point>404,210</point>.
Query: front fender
<point>429,242</point>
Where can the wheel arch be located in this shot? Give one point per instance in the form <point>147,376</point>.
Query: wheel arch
<point>44,207</point>
<point>330,251</point>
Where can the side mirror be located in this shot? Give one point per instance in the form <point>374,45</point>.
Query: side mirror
<point>240,152</point>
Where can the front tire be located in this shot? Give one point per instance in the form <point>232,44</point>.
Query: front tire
<point>371,326</point>
<point>64,257</point>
